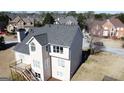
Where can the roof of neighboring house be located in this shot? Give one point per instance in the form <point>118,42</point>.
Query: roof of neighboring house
<point>64,20</point>
<point>116,22</point>
<point>53,34</point>
<point>18,18</point>
<point>28,20</point>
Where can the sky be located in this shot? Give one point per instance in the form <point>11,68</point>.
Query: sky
<point>62,5</point>
<point>110,12</point>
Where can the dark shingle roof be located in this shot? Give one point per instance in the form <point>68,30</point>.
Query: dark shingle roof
<point>53,34</point>
<point>42,39</point>
<point>21,47</point>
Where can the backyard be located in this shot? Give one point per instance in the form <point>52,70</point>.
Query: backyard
<point>100,65</point>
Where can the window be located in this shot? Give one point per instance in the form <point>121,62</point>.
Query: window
<point>24,23</point>
<point>61,62</point>
<point>54,49</point>
<point>118,28</point>
<point>37,75</point>
<point>61,50</point>
<point>36,64</point>
<point>58,49</point>
<point>59,73</point>
<point>33,48</point>
<point>48,48</point>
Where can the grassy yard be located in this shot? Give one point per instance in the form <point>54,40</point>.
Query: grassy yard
<point>6,56</point>
<point>101,65</point>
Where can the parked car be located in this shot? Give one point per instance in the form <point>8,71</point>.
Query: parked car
<point>96,47</point>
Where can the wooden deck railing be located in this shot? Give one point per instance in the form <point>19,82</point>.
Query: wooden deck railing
<point>25,71</point>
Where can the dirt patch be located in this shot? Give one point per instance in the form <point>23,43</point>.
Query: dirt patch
<point>6,56</point>
<point>100,65</point>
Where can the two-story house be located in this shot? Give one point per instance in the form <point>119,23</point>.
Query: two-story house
<point>112,27</point>
<point>20,22</point>
<point>52,51</point>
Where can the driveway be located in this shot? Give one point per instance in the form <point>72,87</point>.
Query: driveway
<point>117,51</point>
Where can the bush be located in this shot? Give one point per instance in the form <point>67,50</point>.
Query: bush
<point>122,38</point>
<point>2,43</point>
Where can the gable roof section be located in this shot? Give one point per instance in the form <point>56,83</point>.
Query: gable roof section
<point>53,34</point>
<point>21,47</point>
<point>42,39</point>
<point>116,22</point>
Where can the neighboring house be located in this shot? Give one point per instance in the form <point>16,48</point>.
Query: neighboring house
<point>96,28</point>
<point>69,20</point>
<point>52,51</point>
<point>112,27</point>
<point>19,22</point>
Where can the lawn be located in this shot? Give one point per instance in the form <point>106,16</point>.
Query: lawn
<point>101,65</point>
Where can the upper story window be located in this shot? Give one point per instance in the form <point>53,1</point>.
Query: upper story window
<point>33,47</point>
<point>58,49</point>
<point>48,48</point>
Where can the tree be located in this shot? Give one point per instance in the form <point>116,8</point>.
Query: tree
<point>72,13</point>
<point>121,17</point>
<point>48,19</point>
<point>2,43</point>
<point>37,23</point>
<point>82,21</point>
<point>102,16</point>
<point>4,19</point>
<point>89,14</point>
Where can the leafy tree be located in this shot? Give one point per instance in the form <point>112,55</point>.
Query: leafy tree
<point>2,43</point>
<point>102,16</point>
<point>121,17</point>
<point>4,19</point>
<point>37,23</point>
<point>48,19</point>
<point>72,13</point>
<point>82,21</point>
<point>89,14</point>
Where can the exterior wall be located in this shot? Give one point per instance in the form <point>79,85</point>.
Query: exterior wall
<point>25,58</point>
<point>37,56</point>
<point>56,69</point>
<point>65,54</point>
<point>120,33</point>
<point>107,25</point>
<point>76,52</point>
<point>46,64</point>
<point>20,24</point>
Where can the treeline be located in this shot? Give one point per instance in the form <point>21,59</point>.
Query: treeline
<point>49,17</point>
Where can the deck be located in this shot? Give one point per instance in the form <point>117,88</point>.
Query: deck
<point>23,69</point>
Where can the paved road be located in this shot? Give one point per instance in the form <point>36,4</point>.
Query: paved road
<point>117,51</point>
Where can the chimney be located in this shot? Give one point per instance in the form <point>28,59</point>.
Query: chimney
<point>21,33</point>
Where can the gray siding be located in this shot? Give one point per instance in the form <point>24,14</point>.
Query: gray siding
<point>76,52</point>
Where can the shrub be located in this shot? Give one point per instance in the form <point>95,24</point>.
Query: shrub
<point>122,38</point>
